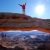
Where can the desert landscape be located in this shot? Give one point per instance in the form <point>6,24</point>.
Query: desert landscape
<point>32,40</point>
<point>26,39</point>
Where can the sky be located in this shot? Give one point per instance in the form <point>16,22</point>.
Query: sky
<point>12,6</point>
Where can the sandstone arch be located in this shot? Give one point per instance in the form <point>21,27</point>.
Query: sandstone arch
<point>25,23</point>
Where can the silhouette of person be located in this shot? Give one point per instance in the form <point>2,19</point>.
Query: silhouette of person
<point>23,7</point>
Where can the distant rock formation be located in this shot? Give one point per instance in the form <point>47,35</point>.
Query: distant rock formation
<point>45,46</point>
<point>3,35</point>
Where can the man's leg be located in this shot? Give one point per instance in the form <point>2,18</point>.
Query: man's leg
<point>23,11</point>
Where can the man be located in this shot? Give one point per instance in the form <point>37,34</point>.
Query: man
<point>23,7</point>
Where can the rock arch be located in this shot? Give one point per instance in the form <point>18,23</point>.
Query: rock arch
<point>25,23</point>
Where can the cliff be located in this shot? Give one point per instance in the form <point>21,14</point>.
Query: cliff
<point>20,21</point>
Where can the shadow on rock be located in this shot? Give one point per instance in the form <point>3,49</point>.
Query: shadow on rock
<point>16,48</point>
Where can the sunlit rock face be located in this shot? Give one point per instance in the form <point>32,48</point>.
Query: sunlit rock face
<point>11,21</point>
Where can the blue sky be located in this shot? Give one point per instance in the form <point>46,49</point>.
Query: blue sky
<point>12,6</point>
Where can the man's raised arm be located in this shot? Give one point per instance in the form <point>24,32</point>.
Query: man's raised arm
<point>20,4</point>
<point>25,3</point>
